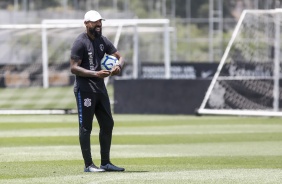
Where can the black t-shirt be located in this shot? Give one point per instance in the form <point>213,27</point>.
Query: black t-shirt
<point>91,52</point>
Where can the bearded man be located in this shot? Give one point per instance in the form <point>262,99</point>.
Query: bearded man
<point>90,91</point>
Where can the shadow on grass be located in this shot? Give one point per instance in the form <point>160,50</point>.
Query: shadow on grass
<point>124,172</point>
<point>135,171</point>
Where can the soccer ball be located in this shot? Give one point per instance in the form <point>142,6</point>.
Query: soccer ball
<point>108,62</point>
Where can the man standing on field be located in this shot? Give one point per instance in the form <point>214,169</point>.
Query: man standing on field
<point>90,91</point>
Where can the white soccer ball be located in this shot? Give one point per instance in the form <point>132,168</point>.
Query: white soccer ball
<point>108,62</point>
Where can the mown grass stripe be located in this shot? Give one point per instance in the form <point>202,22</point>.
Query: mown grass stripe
<point>72,152</point>
<point>29,126</point>
<point>151,170</point>
<point>144,139</point>
<point>234,176</point>
<point>37,98</point>
<point>70,129</point>
<point>37,119</point>
<point>149,120</point>
<point>184,163</point>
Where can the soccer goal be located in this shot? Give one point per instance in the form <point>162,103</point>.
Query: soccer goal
<point>38,54</point>
<point>131,29</point>
<point>247,81</point>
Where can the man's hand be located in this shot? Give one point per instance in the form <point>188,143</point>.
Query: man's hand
<point>102,73</point>
<point>116,70</point>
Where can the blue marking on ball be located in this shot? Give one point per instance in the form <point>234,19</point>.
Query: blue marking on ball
<point>108,62</point>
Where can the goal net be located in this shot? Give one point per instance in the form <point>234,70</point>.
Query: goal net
<point>247,81</point>
<point>38,54</point>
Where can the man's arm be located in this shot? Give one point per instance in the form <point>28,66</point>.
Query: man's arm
<point>120,59</point>
<point>117,69</point>
<point>82,72</point>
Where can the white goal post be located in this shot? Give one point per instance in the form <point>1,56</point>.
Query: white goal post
<point>119,23</point>
<point>247,80</point>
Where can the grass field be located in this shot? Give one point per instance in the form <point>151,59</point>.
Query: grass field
<point>153,149</point>
<point>40,98</point>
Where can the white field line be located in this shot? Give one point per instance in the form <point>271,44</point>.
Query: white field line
<point>154,130</point>
<point>222,176</point>
<point>39,153</point>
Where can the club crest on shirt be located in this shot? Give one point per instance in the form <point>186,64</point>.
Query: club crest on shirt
<point>101,47</point>
<point>87,102</point>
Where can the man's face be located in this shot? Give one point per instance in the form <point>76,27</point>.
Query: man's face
<point>95,28</point>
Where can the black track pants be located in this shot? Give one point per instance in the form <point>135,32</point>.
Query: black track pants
<point>88,105</point>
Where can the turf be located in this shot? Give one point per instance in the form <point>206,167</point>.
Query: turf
<point>152,148</point>
<point>40,98</point>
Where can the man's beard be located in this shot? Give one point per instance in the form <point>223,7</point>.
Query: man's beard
<point>95,33</point>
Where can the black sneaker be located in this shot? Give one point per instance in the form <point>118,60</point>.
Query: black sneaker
<point>111,167</point>
<point>93,168</point>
